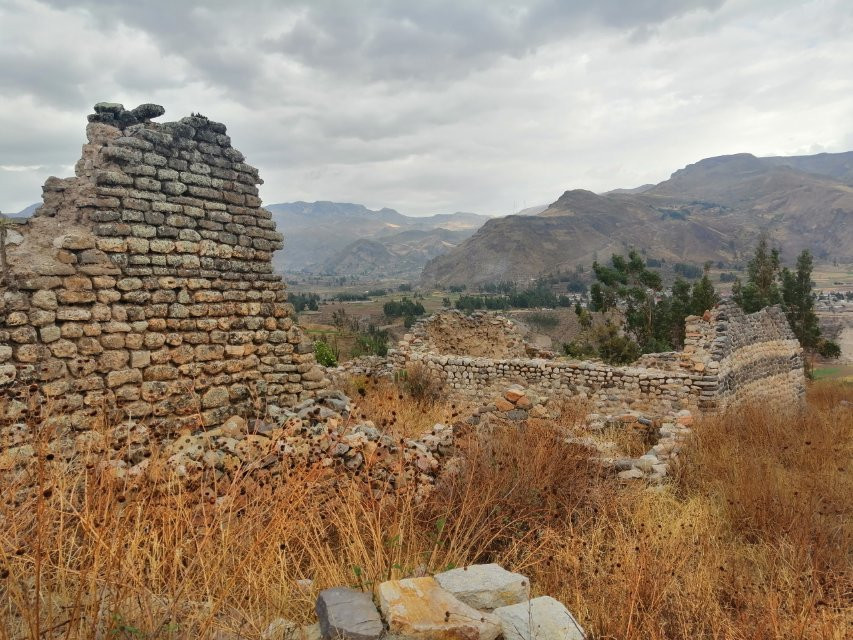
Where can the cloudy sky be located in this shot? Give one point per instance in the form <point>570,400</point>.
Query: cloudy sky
<point>434,105</point>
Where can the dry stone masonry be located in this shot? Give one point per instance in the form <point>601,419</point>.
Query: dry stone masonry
<point>144,285</point>
<point>728,357</point>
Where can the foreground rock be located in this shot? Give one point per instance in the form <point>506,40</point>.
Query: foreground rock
<point>538,619</point>
<point>485,586</point>
<point>420,608</point>
<point>348,614</point>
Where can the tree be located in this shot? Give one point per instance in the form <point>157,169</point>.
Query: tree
<point>627,283</point>
<point>703,297</point>
<point>680,306</point>
<point>798,300</point>
<point>761,288</point>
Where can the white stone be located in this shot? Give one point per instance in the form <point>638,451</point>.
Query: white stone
<point>538,619</point>
<point>630,474</point>
<point>485,586</point>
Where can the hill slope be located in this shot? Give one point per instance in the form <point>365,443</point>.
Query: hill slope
<point>323,237</point>
<point>711,210</point>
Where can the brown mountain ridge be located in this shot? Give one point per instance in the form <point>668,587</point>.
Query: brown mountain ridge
<point>714,209</point>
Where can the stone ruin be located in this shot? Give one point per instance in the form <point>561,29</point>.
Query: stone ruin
<point>728,357</point>
<point>141,295</point>
<point>144,286</point>
<point>142,329</point>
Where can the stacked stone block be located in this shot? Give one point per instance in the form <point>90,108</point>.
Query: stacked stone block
<point>144,285</point>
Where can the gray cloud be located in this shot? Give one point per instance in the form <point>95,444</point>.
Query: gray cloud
<point>438,104</point>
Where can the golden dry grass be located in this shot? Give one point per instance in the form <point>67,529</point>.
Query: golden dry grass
<point>394,410</point>
<point>752,541</point>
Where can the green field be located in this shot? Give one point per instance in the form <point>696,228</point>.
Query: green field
<point>843,373</point>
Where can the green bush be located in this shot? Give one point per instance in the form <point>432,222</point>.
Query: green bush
<point>324,355</point>
<point>404,307</point>
<point>615,348</point>
<point>580,349</point>
<point>372,343</point>
<point>829,349</point>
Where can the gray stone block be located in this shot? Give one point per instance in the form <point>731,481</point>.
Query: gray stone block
<point>347,613</point>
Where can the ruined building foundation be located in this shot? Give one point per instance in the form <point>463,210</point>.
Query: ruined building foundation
<point>728,357</point>
<point>144,285</point>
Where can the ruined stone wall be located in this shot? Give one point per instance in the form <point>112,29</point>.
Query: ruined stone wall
<point>727,357</point>
<point>480,334</point>
<point>758,356</point>
<point>144,285</point>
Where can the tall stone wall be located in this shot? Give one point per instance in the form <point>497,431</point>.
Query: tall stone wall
<point>728,357</point>
<point>758,356</point>
<point>144,287</point>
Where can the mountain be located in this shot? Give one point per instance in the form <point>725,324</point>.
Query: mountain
<point>642,188</point>
<point>834,165</point>
<point>323,237</point>
<point>532,211</point>
<point>714,209</point>
<point>26,212</point>
<point>404,254</point>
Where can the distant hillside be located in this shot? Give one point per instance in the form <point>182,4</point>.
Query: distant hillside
<point>323,237</point>
<point>532,211</point>
<point>26,212</point>
<point>711,210</point>
<point>642,188</point>
<point>403,254</point>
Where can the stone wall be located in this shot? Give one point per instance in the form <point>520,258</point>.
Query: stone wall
<point>757,356</point>
<point>144,284</point>
<point>727,357</point>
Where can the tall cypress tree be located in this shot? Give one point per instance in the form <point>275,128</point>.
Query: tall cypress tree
<point>762,287</point>
<point>798,299</point>
<point>703,297</point>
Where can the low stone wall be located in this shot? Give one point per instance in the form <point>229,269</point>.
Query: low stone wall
<point>728,356</point>
<point>144,284</point>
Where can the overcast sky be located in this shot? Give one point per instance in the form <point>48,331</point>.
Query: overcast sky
<point>434,106</point>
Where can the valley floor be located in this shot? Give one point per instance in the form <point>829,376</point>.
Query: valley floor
<point>752,538</point>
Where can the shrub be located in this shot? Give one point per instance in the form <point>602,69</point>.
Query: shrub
<point>421,385</point>
<point>829,349</point>
<point>374,342</point>
<point>579,349</point>
<point>324,355</point>
<point>615,348</point>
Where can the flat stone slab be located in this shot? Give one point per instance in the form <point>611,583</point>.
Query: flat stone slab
<point>538,619</point>
<point>347,613</point>
<point>420,609</point>
<point>485,586</point>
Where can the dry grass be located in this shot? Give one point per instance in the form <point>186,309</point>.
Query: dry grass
<point>753,541</point>
<point>393,408</point>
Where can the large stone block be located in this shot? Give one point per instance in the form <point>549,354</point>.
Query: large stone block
<point>485,586</point>
<point>347,614</point>
<point>419,608</point>
<point>542,618</point>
